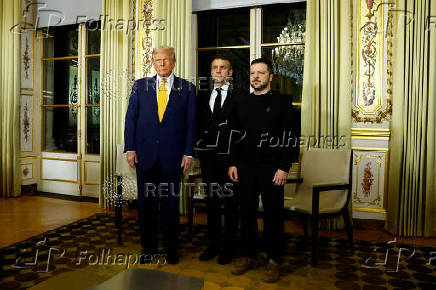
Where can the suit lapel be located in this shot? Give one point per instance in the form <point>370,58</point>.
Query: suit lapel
<point>206,99</point>
<point>175,90</point>
<point>227,101</point>
<point>151,88</point>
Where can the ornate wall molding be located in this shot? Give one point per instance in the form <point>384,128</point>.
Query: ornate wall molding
<point>370,171</point>
<point>372,95</point>
<point>26,122</point>
<point>380,117</point>
<point>146,39</point>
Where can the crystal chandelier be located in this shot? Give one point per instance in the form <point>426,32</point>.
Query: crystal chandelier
<point>288,59</point>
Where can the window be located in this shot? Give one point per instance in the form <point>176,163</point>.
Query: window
<point>70,93</point>
<point>222,32</point>
<point>283,32</point>
<point>60,90</point>
<point>93,91</point>
<point>275,31</point>
<point>236,32</point>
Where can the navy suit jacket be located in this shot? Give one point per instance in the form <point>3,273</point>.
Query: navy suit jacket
<point>164,142</point>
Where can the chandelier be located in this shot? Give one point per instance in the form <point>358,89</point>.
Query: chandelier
<point>288,60</point>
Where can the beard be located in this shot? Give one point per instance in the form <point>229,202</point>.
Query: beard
<point>261,87</point>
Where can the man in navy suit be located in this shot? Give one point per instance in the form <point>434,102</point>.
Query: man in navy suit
<point>159,139</point>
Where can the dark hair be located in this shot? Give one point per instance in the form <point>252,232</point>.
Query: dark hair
<point>222,56</point>
<point>265,61</point>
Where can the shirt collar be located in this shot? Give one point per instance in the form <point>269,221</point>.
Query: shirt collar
<point>170,80</point>
<point>224,87</point>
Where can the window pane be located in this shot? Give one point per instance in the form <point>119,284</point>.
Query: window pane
<point>93,80</point>
<point>61,41</point>
<point>224,27</point>
<point>60,129</point>
<point>288,69</point>
<point>93,130</point>
<point>284,21</point>
<point>94,36</point>
<point>240,64</point>
<point>60,82</point>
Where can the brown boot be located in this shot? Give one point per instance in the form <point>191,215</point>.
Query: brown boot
<point>243,265</point>
<point>272,272</point>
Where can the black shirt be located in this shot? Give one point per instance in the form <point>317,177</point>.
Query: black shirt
<point>262,131</point>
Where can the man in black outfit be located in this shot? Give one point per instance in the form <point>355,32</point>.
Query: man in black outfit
<point>214,106</point>
<point>260,163</point>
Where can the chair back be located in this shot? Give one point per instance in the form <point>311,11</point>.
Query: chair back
<point>127,173</point>
<point>325,165</point>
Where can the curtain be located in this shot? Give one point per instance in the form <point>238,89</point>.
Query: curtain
<point>412,170</point>
<point>10,173</point>
<point>327,83</point>
<point>177,33</point>
<point>115,81</point>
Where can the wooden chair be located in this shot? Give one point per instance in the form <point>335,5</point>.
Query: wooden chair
<point>323,191</point>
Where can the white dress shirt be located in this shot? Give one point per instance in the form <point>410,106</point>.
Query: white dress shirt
<point>168,84</point>
<point>214,94</point>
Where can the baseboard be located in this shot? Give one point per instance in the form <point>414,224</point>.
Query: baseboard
<point>68,197</point>
<point>369,224</point>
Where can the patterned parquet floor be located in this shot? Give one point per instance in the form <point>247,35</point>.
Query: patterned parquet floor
<point>89,247</point>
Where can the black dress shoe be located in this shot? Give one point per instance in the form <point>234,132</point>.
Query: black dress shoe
<point>224,258</point>
<point>208,254</point>
<point>172,258</point>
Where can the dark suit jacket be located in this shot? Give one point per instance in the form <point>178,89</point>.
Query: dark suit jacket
<point>165,142</point>
<point>213,134</point>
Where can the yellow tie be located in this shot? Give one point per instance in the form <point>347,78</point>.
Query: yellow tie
<point>162,99</point>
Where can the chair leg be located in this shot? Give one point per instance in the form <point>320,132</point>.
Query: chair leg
<point>348,226</point>
<point>305,227</point>
<point>119,210</point>
<point>190,218</point>
<point>315,225</point>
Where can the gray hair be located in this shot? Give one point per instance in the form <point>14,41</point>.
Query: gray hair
<point>162,48</point>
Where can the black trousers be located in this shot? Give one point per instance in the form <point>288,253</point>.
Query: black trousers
<point>252,182</point>
<point>157,187</point>
<point>220,192</point>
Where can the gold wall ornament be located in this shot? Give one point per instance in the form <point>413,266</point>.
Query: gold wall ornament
<point>26,123</point>
<point>26,60</point>
<point>367,181</point>
<point>27,172</point>
<point>381,115</point>
<point>147,42</point>
<point>133,4</point>
<point>371,39</point>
